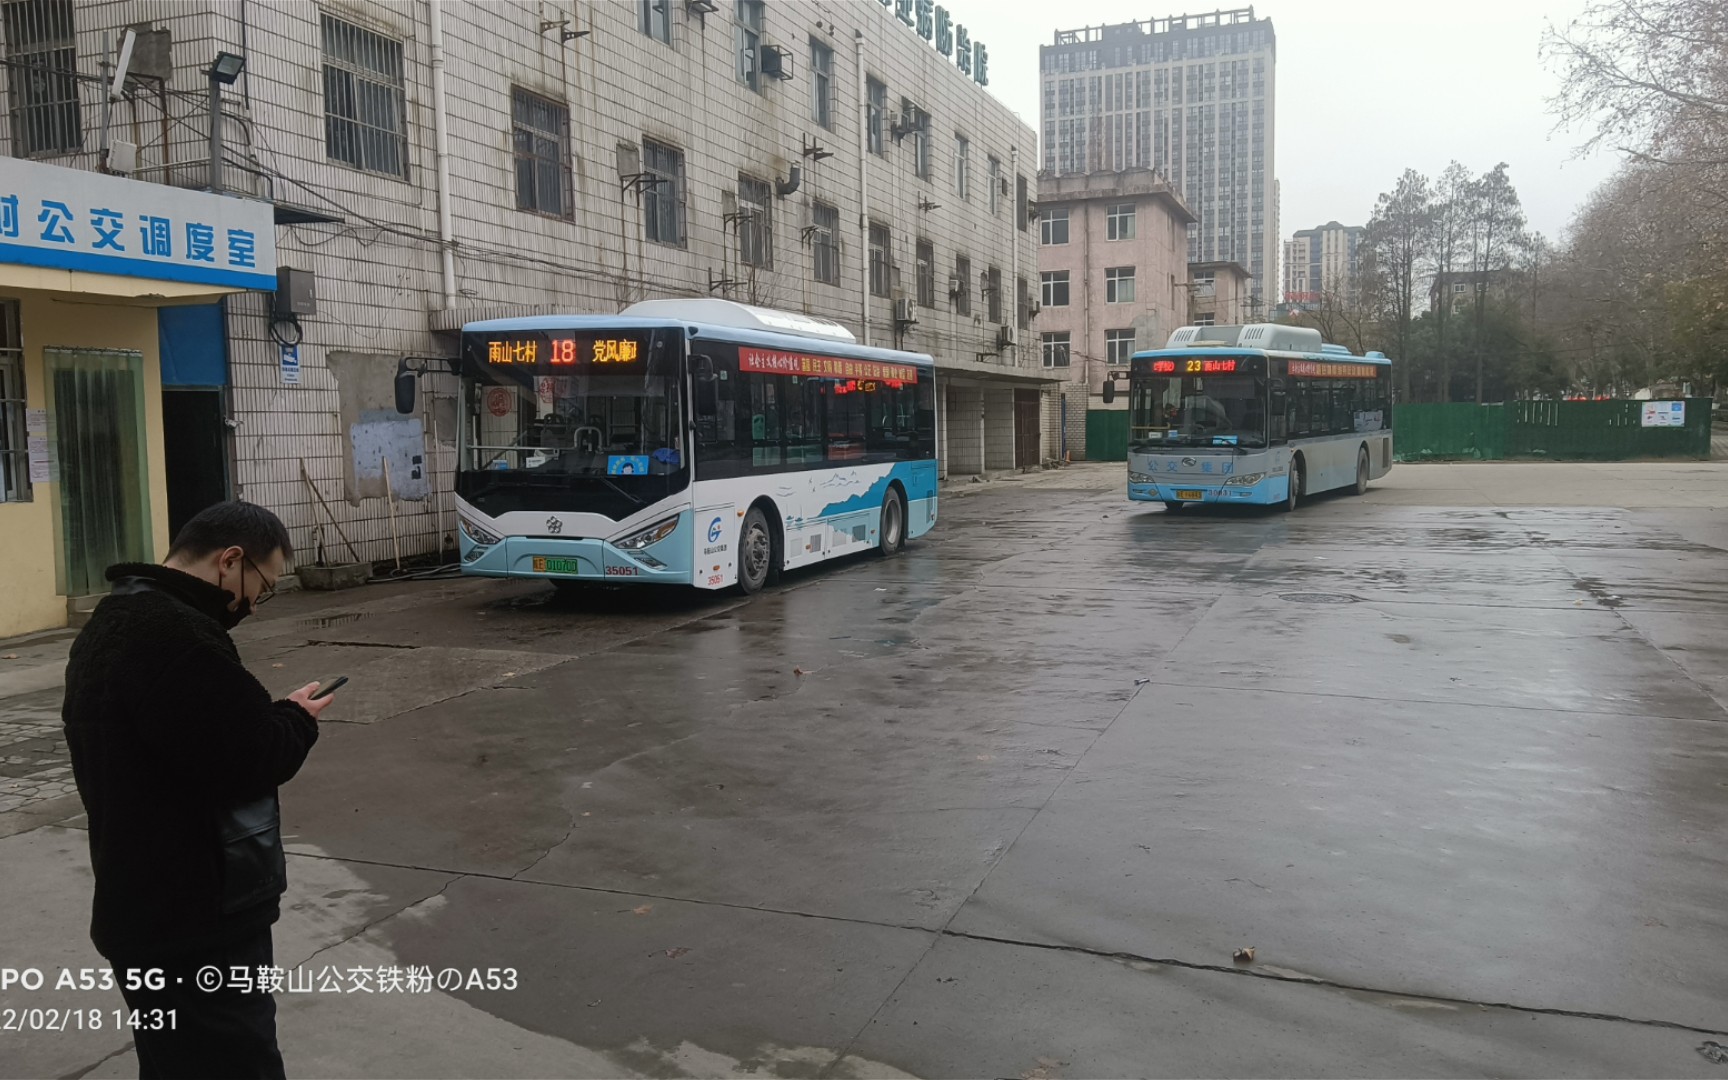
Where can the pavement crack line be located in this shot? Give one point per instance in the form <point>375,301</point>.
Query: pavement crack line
<point>381,918</point>
<point>360,644</point>
<point>1331,984</point>
<point>944,930</point>
<point>80,1074</point>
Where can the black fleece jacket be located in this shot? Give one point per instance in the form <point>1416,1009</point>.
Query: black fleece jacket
<point>177,751</point>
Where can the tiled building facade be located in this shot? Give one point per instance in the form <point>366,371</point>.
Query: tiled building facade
<point>1113,279</point>
<point>812,155</point>
<point>1192,96</point>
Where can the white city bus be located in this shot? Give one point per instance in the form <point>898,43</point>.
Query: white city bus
<point>1255,414</point>
<point>695,442</point>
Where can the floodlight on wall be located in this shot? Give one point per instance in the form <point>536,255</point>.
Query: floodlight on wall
<point>222,72</point>
<point>227,68</point>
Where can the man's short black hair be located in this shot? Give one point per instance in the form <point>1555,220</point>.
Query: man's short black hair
<point>244,525</point>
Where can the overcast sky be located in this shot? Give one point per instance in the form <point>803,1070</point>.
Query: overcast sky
<point>1365,90</point>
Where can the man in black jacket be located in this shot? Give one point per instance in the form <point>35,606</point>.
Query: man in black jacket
<point>178,751</point>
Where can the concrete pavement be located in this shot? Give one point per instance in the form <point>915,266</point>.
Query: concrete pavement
<point>1448,756</point>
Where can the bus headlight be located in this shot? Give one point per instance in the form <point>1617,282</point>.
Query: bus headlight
<point>1245,479</point>
<point>1140,477</point>
<point>477,534</point>
<point>653,534</point>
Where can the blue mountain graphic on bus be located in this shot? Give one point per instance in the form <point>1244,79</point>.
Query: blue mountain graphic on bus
<point>868,499</point>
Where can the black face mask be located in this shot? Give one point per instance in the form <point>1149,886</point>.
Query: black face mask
<point>232,617</point>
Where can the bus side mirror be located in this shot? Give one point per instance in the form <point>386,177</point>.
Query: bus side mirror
<point>407,382</point>
<point>1109,391</point>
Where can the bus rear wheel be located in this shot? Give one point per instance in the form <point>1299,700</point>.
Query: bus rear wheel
<point>891,531</point>
<point>1362,471</point>
<point>1296,478</point>
<point>755,552</point>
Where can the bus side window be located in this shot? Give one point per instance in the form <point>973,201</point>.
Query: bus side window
<point>1278,421</point>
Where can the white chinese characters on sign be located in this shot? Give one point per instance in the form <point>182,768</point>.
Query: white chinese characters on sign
<point>76,220</point>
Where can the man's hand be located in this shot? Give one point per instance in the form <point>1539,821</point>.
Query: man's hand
<point>303,698</point>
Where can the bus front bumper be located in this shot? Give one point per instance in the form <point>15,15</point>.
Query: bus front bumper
<point>571,560</point>
<point>1268,489</point>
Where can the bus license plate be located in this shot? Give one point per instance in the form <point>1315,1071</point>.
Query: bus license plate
<point>546,564</point>
<point>1189,494</point>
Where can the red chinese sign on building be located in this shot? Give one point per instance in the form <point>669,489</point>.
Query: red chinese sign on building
<point>770,362</point>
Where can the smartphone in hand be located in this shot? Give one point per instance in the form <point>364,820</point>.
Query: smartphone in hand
<point>325,689</point>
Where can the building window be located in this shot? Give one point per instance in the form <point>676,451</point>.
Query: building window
<point>881,278</point>
<point>825,243</point>
<point>1457,286</point>
<point>917,122</point>
<point>822,84</point>
<point>663,193</point>
<point>541,134</point>
<point>1119,222</point>
<point>1204,320</point>
<point>875,117</point>
<point>1055,283</point>
<point>657,20</point>
<point>1118,346</point>
<point>1053,226</point>
<point>365,118</point>
<point>926,274</point>
<point>995,186</point>
<point>42,69</point>
<point>755,223</point>
<point>993,292</point>
<point>14,437</point>
<point>750,42</point>
<point>961,286</point>
<point>962,167</point>
<point>1056,348</point>
<point>1022,302</point>
<point>1022,203</point>
<point>1119,285</point>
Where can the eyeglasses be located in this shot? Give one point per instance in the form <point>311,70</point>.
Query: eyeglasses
<point>269,589</point>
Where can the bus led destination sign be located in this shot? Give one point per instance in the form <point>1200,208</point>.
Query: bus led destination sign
<point>563,351</point>
<point>771,362</point>
<point>1194,367</point>
<point>1325,369</point>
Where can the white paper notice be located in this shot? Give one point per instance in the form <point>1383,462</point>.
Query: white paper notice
<point>38,447</point>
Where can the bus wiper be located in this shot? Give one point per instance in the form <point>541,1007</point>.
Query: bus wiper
<point>621,491</point>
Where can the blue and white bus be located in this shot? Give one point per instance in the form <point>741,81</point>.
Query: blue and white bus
<point>694,442</point>
<point>1255,414</point>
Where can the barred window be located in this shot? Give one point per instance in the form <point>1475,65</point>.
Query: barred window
<point>42,72</point>
<point>755,224</point>
<point>926,274</point>
<point>963,278</point>
<point>365,113</point>
<point>881,277</point>
<point>663,195</point>
<point>14,436</point>
<point>542,139</point>
<point>825,243</point>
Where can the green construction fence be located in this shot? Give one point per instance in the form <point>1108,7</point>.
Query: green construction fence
<point>1564,430</point>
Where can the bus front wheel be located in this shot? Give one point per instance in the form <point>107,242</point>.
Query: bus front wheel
<point>891,532</point>
<point>755,552</point>
<point>1295,492</point>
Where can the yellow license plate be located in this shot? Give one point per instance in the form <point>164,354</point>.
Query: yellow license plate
<point>1193,495</point>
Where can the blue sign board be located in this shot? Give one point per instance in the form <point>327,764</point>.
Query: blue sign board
<point>72,219</point>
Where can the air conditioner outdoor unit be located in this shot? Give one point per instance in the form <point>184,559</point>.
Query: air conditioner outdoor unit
<point>904,312</point>
<point>1005,336</point>
<point>955,285</point>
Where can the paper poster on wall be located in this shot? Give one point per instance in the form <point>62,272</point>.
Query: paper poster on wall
<point>290,365</point>
<point>1664,414</point>
<point>39,464</point>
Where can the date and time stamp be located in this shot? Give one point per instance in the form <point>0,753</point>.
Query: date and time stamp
<point>382,979</point>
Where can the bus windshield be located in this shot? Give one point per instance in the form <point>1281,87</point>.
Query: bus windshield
<point>571,411</point>
<point>1196,410</point>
